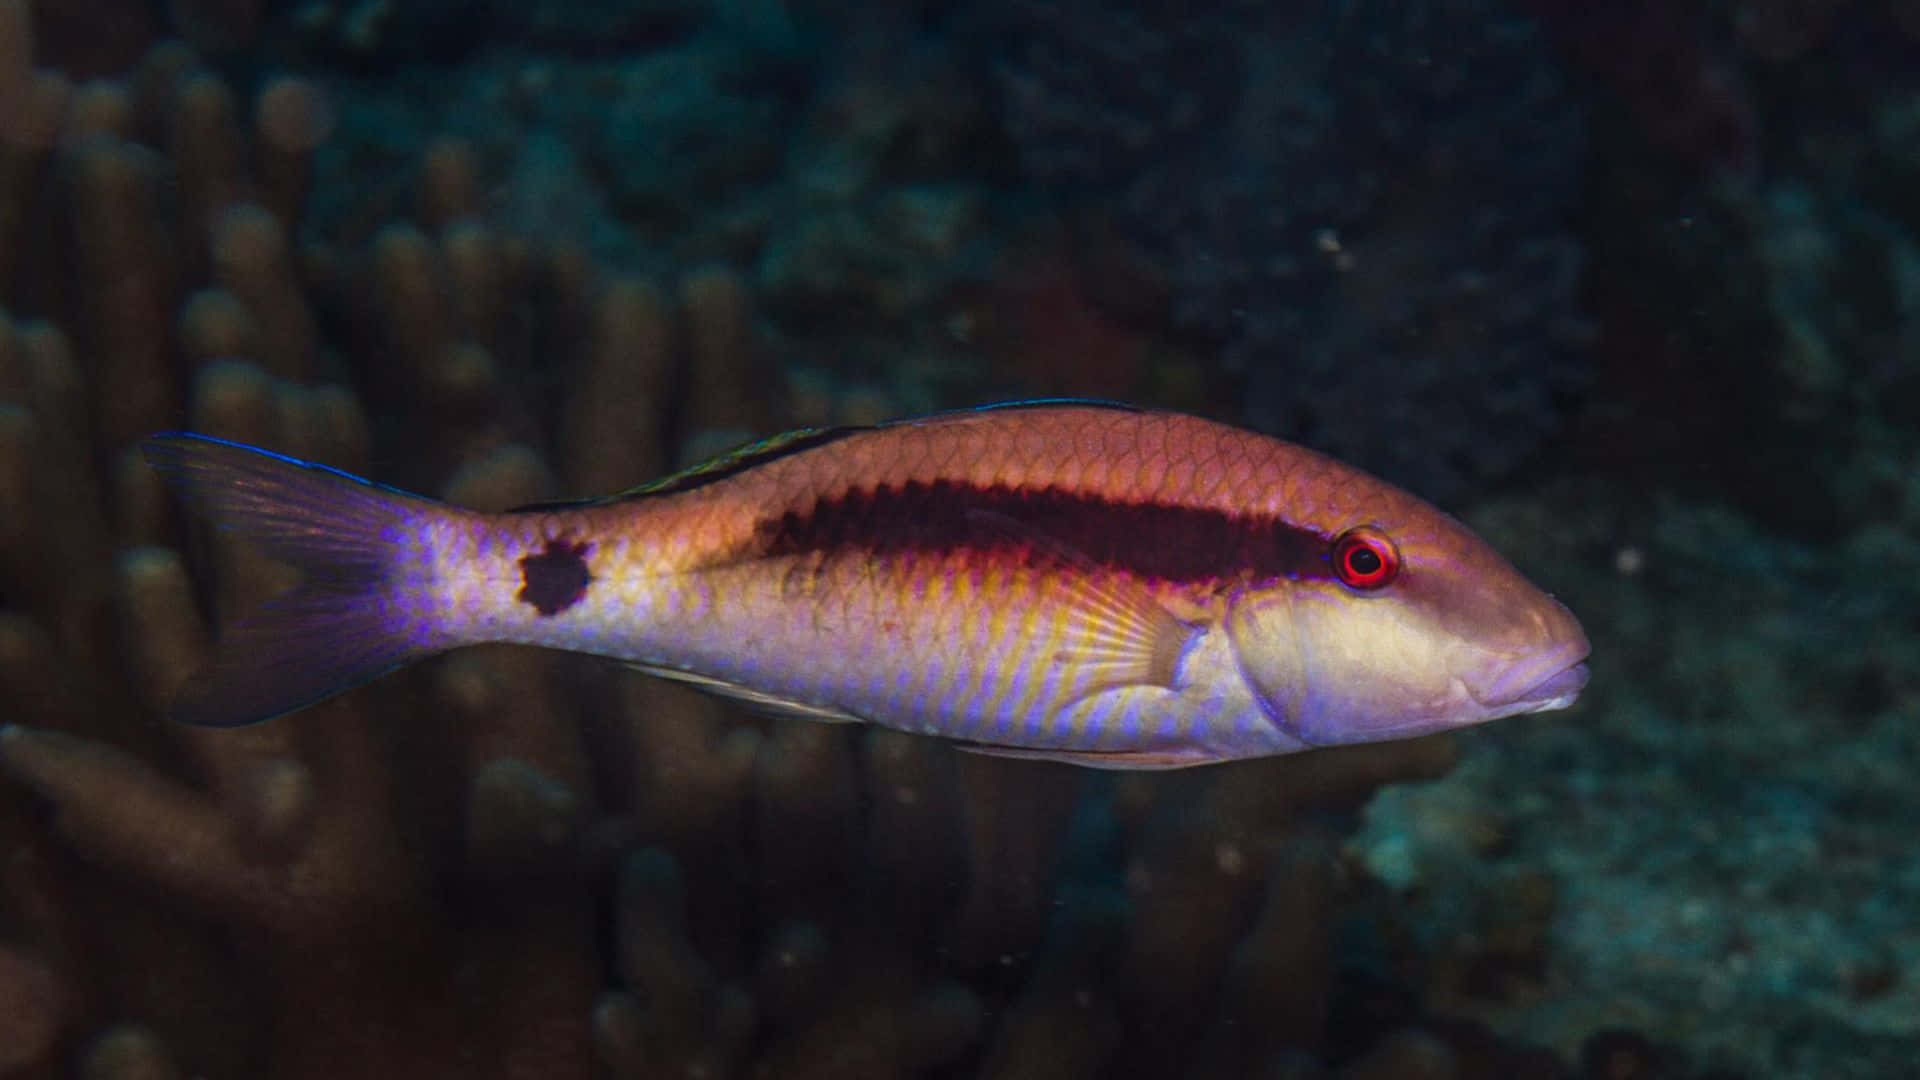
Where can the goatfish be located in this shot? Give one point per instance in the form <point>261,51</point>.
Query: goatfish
<point>1099,584</point>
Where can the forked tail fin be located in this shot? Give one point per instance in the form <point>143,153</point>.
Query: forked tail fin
<point>361,609</point>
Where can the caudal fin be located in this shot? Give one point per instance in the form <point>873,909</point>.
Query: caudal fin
<point>357,614</point>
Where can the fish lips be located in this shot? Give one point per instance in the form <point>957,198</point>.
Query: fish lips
<point>1551,679</point>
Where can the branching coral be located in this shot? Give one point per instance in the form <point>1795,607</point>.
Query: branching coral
<point>510,863</point>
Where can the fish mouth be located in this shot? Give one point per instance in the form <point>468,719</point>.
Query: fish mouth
<point>1541,683</point>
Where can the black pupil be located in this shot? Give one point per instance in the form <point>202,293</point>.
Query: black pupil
<point>1363,560</point>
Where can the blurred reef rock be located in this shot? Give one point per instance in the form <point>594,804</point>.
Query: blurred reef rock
<point>1365,205</point>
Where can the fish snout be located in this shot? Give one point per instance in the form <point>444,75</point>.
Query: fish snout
<point>1548,673</point>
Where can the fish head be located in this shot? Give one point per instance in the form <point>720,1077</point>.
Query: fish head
<point>1404,623</point>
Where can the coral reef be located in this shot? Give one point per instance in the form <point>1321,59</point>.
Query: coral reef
<point>1715,857</point>
<point>847,182</point>
<point>547,254</point>
<point>507,863</point>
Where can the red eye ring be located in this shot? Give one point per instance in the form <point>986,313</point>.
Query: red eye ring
<point>1363,558</point>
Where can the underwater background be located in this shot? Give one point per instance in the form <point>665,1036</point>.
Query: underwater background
<point>1634,288</point>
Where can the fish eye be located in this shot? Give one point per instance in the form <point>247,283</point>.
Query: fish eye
<point>1364,558</point>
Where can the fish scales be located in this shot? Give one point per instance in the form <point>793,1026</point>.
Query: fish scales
<point>819,551</point>
<point>1106,585</point>
<point>949,506</point>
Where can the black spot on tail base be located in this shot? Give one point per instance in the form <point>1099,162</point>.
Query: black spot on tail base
<point>557,578</point>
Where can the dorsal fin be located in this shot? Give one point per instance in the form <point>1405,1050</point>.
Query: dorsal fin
<point>731,463</point>
<point>761,451</point>
<point>1042,403</point>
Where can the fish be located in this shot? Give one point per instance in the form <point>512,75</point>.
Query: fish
<point>1096,583</point>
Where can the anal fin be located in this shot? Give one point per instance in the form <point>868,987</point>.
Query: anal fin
<point>1159,758</point>
<point>759,700</point>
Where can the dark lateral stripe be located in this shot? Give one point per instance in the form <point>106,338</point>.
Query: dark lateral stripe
<point>1150,540</point>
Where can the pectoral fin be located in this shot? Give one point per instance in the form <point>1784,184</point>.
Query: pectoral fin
<point>1117,633</point>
